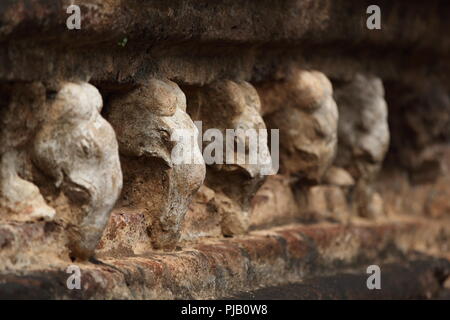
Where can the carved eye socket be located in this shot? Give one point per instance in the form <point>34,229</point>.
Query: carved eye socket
<point>86,148</point>
<point>165,135</point>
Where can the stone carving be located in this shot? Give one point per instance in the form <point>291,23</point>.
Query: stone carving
<point>363,137</point>
<point>274,203</point>
<point>20,199</point>
<point>328,200</point>
<point>363,127</point>
<point>421,129</point>
<point>65,153</point>
<point>146,120</point>
<point>232,105</point>
<point>303,108</point>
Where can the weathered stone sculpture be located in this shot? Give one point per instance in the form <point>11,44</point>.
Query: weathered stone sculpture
<point>67,153</point>
<point>20,199</point>
<point>247,231</point>
<point>329,200</point>
<point>421,120</point>
<point>363,127</point>
<point>232,105</point>
<point>157,178</point>
<point>302,107</point>
<point>363,137</point>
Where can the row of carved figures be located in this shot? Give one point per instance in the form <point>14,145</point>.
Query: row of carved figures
<point>63,159</point>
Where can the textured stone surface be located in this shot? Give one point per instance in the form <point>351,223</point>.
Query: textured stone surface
<point>68,153</point>
<point>146,121</point>
<point>413,279</point>
<point>430,199</point>
<point>338,177</point>
<point>421,118</point>
<point>20,199</point>
<point>274,203</point>
<point>363,138</point>
<point>221,268</point>
<point>176,39</point>
<point>307,116</point>
<point>221,106</point>
<point>203,218</point>
<point>325,202</point>
<point>157,65</point>
<point>363,127</point>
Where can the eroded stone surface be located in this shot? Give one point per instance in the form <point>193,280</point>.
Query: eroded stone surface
<point>20,199</point>
<point>363,138</point>
<point>121,44</point>
<point>274,203</point>
<point>420,120</point>
<point>338,177</point>
<point>146,121</point>
<point>77,150</point>
<point>232,105</point>
<point>417,199</point>
<point>67,154</point>
<point>329,200</point>
<point>324,202</point>
<point>220,267</point>
<point>307,117</point>
<point>363,127</point>
<point>203,218</point>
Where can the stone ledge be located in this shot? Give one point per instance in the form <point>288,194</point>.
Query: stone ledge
<point>220,268</point>
<point>415,279</point>
<point>195,43</point>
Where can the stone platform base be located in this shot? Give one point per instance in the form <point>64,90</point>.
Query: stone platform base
<point>329,257</point>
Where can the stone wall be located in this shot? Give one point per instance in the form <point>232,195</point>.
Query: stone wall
<point>88,176</point>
